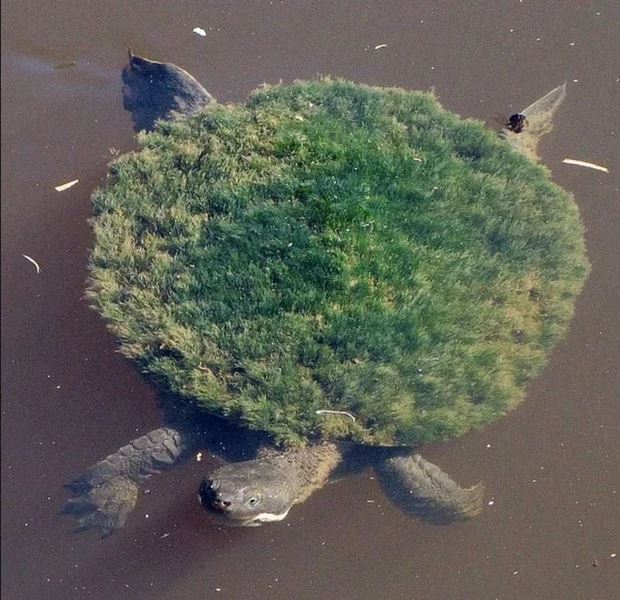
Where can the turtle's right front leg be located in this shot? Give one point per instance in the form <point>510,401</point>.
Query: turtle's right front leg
<point>106,493</point>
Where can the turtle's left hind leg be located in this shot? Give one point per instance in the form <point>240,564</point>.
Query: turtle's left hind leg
<point>424,490</point>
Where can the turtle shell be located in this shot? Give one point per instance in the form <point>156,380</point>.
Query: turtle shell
<point>333,260</point>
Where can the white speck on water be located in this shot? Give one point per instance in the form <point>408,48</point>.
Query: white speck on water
<point>575,80</point>
<point>379,46</point>
<point>489,446</point>
<point>146,515</point>
<point>199,31</point>
<point>515,572</point>
<point>491,502</point>
<point>613,555</point>
<point>33,261</point>
<point>218,589</point>
<point>199,457</point>
<point>571,44</point>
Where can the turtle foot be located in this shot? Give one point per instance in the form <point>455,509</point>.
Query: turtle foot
<point>424,490</point>
<point>103,496</point>
<point>155,91</point>
<point>103,506</point>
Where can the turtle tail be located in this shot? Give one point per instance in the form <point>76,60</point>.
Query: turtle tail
<point>423,489</point>
<point>103,496</point>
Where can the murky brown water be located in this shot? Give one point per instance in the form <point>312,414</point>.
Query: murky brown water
<point>552,468</point>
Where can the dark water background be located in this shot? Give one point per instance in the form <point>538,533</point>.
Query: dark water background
<point>552,468</point>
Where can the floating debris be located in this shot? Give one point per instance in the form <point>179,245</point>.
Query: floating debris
<point>199,456</point>
<point>66,65</point>
<point>583,163</point>
<point>199,31</point>
<point>33,261</point>
<point>379,46</point>
<point>335,412</point>
<point>66,186</point>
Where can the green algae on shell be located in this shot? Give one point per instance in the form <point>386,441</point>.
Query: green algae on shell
<point>329,246</point>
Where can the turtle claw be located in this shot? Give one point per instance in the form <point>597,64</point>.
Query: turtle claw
<point>104,506</point>
<point>104,495</point>
<point>424,490</point>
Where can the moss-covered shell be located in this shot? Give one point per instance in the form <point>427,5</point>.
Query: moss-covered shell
<point>329,246</point>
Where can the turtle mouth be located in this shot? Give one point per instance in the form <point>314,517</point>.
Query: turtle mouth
<point>256,521</point>
<point>227,516</point>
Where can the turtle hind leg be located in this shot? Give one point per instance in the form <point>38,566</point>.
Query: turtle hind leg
<point>104,495</point>
<point>155,91</point>
<point>424,490</point>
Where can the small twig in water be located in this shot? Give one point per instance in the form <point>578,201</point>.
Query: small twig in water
<point>583,163</point>
<point>66,186</point>
<point>33,261</point>
<point>335,412</point>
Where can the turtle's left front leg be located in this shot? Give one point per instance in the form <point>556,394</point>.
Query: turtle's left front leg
<point>423,489</point>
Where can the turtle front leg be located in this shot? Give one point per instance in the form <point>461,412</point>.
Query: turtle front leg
<point>424,490</point>
<point>107,492</point>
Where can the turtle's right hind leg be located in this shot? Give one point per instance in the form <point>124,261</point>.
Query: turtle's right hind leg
<point>103,496</point>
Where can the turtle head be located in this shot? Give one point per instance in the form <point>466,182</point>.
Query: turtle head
<point>247,493</point>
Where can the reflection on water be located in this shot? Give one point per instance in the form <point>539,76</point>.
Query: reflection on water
<point>68,399</point>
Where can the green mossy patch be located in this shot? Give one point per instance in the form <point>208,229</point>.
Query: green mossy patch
<point>332,246</point>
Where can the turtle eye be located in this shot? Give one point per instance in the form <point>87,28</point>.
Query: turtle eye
<point>254,500</point>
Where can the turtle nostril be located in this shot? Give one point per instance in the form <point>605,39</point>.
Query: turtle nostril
<point>221,504</point>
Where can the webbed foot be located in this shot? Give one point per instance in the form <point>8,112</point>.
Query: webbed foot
<point>155,91</point>
<point>423,489</point>
<point>104,495</point>
<point>104,506</point>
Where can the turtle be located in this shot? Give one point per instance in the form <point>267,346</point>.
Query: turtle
<point>344,396</point>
